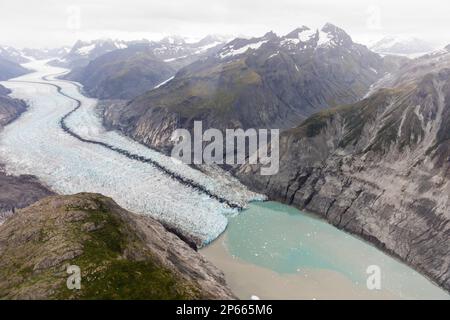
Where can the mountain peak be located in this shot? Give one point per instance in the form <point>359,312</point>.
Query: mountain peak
<point>336,33</point>
<point>270,35</point>
<point>296,32</point>
<point>329,36</point>
<point>176,40</point>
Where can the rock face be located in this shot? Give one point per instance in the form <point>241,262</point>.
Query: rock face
<point>83,52</point>
<point>10,108</point>
<point>19,191</point>
<point>379,168</point>
<point>267,82</point>
<point>120,255</point>
<point>140,66</point>
<point>10,69</point>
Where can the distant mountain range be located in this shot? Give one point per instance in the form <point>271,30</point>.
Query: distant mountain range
<point>267,82</point>
<point>134,68</point>
<point>402,45</point>
<point>12,54</point>
<point>174,50</point>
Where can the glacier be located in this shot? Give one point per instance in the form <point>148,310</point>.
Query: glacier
<point>36,144</point>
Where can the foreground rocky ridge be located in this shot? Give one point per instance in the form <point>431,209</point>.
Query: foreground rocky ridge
<point>379,168</point>
<point>121,255</point>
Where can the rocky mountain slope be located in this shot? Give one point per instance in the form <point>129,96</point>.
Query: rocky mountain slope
<point>122,74</point>
<point>19,192</point>
<point>267,82</point>
<point>13,54</point>
<point>379,168</point>
<point>174,50</point>
<point>121,255</point>
<point>139,66</point>
<point>9,69</point>
<point>83,52</point>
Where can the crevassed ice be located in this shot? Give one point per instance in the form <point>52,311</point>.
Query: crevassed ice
<point>35,144</point>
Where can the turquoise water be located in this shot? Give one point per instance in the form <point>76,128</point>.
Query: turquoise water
<point>288,241</point>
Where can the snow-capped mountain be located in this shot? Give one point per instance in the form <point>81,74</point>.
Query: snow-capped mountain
<point>298,40</point>
<point>179,52</point>
<point>174,50</point>
<point>12,54</point>
<point>46,53</point>
<point>402,45</point>
<point>264,82</point>
<point>85,51</point>
<point>142,65</point>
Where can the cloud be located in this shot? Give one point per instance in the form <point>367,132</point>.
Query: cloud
<point>45,22</point>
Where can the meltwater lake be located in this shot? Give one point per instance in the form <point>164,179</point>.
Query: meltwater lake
<point>275,251</point>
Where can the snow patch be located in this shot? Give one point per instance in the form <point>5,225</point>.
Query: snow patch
<point>230,51</point>
<point>86,49</point>
<point>164,82</point>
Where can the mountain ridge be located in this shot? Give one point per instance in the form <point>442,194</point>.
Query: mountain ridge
<point>265,82</point>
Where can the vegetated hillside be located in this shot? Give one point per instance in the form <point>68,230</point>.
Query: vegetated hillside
<point>120,255</point>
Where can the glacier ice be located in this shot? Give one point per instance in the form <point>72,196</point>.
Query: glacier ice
<point>35,144</point>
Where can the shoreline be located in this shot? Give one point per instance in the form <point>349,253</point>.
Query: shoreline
<point>247,277</point>
<point>246,280</point>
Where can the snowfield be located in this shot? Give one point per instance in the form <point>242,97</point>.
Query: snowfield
<point>36,144</point>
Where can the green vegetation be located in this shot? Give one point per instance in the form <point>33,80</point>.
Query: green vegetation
<point>91,232</point>
<point>108,274</point>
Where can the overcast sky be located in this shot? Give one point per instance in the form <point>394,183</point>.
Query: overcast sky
<point>51,23</point>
